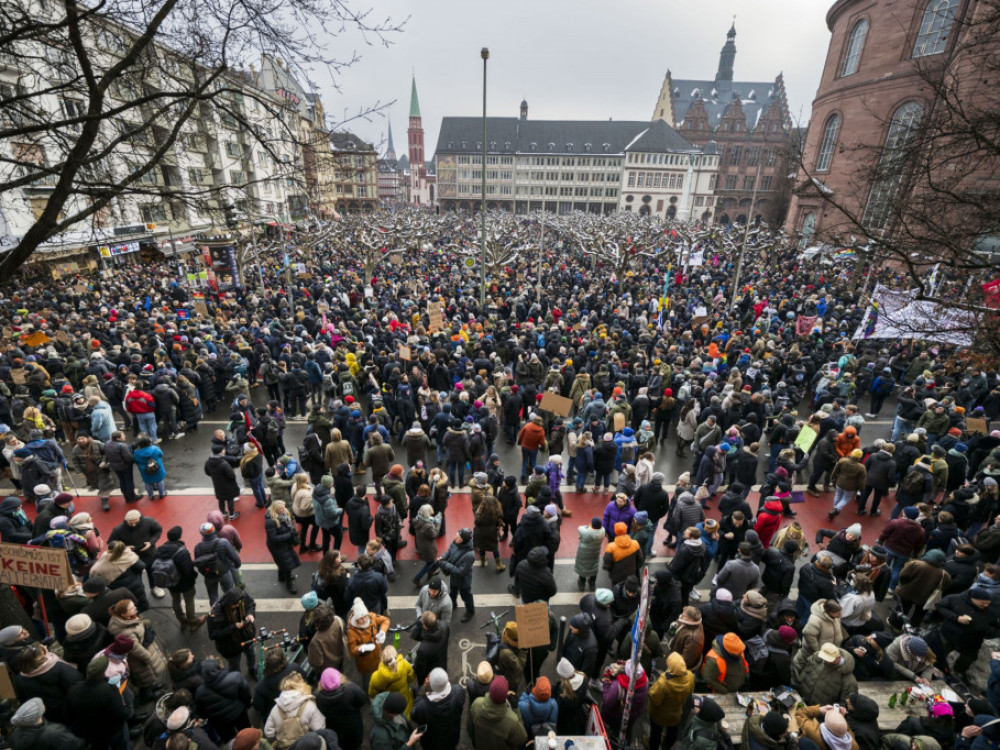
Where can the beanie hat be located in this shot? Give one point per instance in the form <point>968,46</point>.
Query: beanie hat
<point>132,515</point>
<point>330,679</point>
<point>857,453</point>
<point>733,644</point>
<point>774,724</point>
<point>835,723</point>
<point>95,585</point>
<point>98,666</point>
<point>711,711</point>
<point>710,525</point>
<point>641,518</point>
<point>552,510</point>
<point>394,703</point>
<point>620,529</point>
<point>790,546</point>
<point>979,593</point>
<point>396,470</point>
<point>438,680</point>
<point>787,634</point>
<point>723,595</point>
<point>498,689</point>
<point>855,529</point>
<point>80,624</point>
<point>30,712</point>
<point>434,584</point>
<point>543,689</point>
<point>911,512</point>
<point>122,645</point>
<point>40,489</point>
<point>917,646</point>
<point>178,719</point>
<point>604,596</point>
<point>565,669</point>
<point>246,739</point>
<point>327,480</point>
<point>174,534</point>
<point>206,529</point>
<point>935,557</point>
<point>581,621</point>
<point>310,600</point>
<point>466,534</point>
<point>484,673</point>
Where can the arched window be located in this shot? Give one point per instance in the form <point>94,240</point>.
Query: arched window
<point>854,47</point>
<point>828,143</point>
<point>892,164</point>
<point>935,26</point>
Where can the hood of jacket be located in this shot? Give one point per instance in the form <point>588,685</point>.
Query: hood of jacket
<point>538,556</point>
<point>9,505</point>
<point>864,708</point>
<point>290,700</point>
<point>321,493</point>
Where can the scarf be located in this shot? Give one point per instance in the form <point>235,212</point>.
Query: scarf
<point>439,696</point>
<point>833,741</point>
<point>48,662</point>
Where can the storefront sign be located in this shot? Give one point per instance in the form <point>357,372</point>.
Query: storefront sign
<point>121,248</point>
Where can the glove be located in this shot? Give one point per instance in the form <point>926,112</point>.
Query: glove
<point>380,637</point>
<point>366,648</point>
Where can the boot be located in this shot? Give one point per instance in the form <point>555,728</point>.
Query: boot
<point>500,566</point>
<point>105,503</point>
<point>592,584</point>
<point>469,614</point>
<point>581,583</point>
<point>812,491</point>
<point>482,561</point>
<point>566,512</point>
<point>197,622</point>
<point>290,585</point>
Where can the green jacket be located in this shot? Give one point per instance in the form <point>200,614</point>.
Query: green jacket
<point>822,684</point>
<point>387,735</point>
<point>396,491</point>
<point>753,729</point>
<point>693,739</point>
<point>494,727</point>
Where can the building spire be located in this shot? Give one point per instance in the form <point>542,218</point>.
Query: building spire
<point>390,153</point>
<point>727,58</point>
<point>414,103</point>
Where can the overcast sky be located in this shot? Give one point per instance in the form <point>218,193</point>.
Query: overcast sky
<point>571,59</point>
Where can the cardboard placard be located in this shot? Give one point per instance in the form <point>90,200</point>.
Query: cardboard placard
<point>697,322</point>
<point>806,438</point>
<point>404,353</point>
<point>558,405</point>
<point>8,332</point>
<point>81,288</point>
<point>201,308</point>
<point>975,426</point>
<point>62,337</point>
<point>41,567</point>
<point>6,686</point>
<point>532,625</point>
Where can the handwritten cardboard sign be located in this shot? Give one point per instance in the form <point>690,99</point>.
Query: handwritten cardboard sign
<point>807,436</point>
<point>975,425</point>
<point>404,353</point>
<point>6,686</point>
<point>41,567</point>
<point>558,405</point>
<point>532,625</point>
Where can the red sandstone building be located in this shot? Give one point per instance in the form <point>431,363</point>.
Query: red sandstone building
<point>871,98</point>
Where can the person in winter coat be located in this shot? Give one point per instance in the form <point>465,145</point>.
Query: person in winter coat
<point>668,697</point>
<point>534,579</point>
<point>588,553</point>
<point>457,562</point>
<point>122,568</point>
<point>881,475</point>
<point>327,514</point>
<point>340,701</point>
<point>619,510</point>
<point>531,532</point>
<point>145,456</point>
<point>39,673</point>
<point>615,682</point>
<point>779,570</point>
<point>689,564</point>
<point>718,616</point>
<point>230,623</point>
<point>823,627</point>
<point>862,718</point>
<point>223,699</point>
<point>911,658</point>
<point>439,707</point>
<point>740,574</point>
<point>902,538</point>
<point>365,637</point>
<point>84,639</point>
<point>359,518</point>
<point>918,582</point>
<point>88,457</point>
<point>394,675</point>
<point>224,483</point>
<point>580,647</point>
<point>623,556</point>
<point>390,729</point>
<point>416,443</point>
<point>95,696</point>
<point>705,725</point>
<point>768,732</point>
<point>486,529</point>
<point>431,633</point>
<point>826,727</point>
<point>686,513</point>
<point>768,520</point>
<point>826,676</point>
<point>328,644</point>
<point>825,458</point>
<point>14,525</point>
<point>816,581</point>
<point>147,663</point>
<point>604,453</point>
<point>725,668</point>
<point>849,477</point>
<point>30,730</point>
<point>295,703</point>
<point>281,540</point>
<point>689,637</point>
<point>492,723</point>
<point>537,707</point>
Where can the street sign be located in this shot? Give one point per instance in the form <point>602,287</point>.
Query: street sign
<point>638,637</point>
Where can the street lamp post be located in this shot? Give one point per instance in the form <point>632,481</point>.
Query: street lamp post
<point>485,54</point>
<point>746,235</point>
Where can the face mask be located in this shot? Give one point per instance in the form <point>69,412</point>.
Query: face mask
<point>69,509</point>
<point>115,680</point>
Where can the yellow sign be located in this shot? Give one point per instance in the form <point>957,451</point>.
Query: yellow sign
<point>470,262</point>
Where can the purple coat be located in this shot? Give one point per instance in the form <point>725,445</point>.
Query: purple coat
<point>613,514</point>
<point>555,477</point>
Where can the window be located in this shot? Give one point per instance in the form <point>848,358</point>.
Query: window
<point>237,177</point>
<point>195,175</point>
<point>734,153</point>
<point>631,179</point>
<point>748,182</point>
<point>826,146</point>
<point>656,181</point>
<point>765,183</point>
<point>233,149</point>
<point>892,164</point>
<point>73,108</point>
<point>712,181</point>
<point>730,182</point>
<point>699,201</point>
<point>153,213</point>
<point>680,182</point>
<point>935,28</point>
<point>854,47</point>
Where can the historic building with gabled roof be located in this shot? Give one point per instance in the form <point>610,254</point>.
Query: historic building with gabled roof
<point>750,125</point>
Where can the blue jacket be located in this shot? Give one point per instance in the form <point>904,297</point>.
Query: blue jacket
<point>534,711</point>
<point>102,422</point>
<point>142,455</point>
<point>313,371</point>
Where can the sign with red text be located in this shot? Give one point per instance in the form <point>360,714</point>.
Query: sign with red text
<point>41,567</point>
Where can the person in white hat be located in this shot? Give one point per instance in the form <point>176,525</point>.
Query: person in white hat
<point>140,534</point>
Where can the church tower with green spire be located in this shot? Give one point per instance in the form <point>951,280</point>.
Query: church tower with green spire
<point>415,138</point>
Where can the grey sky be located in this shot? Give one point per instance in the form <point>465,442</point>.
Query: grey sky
<point>571,59</point>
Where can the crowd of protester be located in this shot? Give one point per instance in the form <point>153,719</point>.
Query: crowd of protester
<point>412,411</point>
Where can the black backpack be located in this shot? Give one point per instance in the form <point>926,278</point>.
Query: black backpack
<point>164,571</point>
<point>208,563</point>
<point>721,737</point>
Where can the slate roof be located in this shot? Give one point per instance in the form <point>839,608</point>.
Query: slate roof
<point>755,96</point>
<point>512,135</point>
<point>348,142</point>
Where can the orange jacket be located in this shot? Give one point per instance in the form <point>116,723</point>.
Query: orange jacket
<point>531,437</point>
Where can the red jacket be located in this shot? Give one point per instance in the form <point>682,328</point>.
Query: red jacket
<point>902,536</point>
<point>768,522</point>
<point>531,437</point>
<point>139,402</point>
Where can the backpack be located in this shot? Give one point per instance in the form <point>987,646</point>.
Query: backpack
<point>272,430</point>
<point>291,729</point>
<point>165,573</point>
<point>913,482</point>
<point>628,453</point>
<point>757,651</point>
<point>346,388</point>
<point>885,386</point>
<point>209,564</point>
<point>152,466</point>
<point>720,736</point>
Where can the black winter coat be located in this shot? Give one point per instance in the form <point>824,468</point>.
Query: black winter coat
<point>983,625</point>
<point>98,608</point>
<point>532,531</point>
<point>581,650</point>
<point>223,697</point>
<point>189,678</point>
<point>220,471</point>
<point>604,456</point>
<point>80,650</point>
<point>433,649</point>
<point>281,541</point>
<point>269,688</point>
<point>534,578</point>
<point>342,709</point>
<point>653,499</point>
<point>814,584</point>
<point>177,552</point>
<point>51,686</point>
<point>147,530</point>
<point>371,587</point>
<point>97,698</point>
<point>881,470</point>
<point>717,618</point>
<point>443,719</point>
<point>11,529</point>
<point>779,572</point>
<point>359,520</point>
<point>688,565</point>
<point>221,630</point>
<point>118,455</point>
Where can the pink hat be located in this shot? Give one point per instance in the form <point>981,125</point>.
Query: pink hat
<point>330,679</point>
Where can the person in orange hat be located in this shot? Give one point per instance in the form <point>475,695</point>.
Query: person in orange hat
<point>538,707</point>
<point>725,668</point>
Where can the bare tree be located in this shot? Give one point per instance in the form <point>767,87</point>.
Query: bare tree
<point>929,201</point>
<point>99,103</point>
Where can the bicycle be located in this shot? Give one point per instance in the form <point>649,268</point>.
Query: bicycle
<point>397,630</point>
<point>285,642</point>
<point>493,639</point>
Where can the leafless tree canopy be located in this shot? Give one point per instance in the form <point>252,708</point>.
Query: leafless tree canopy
<point>96,99</point>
